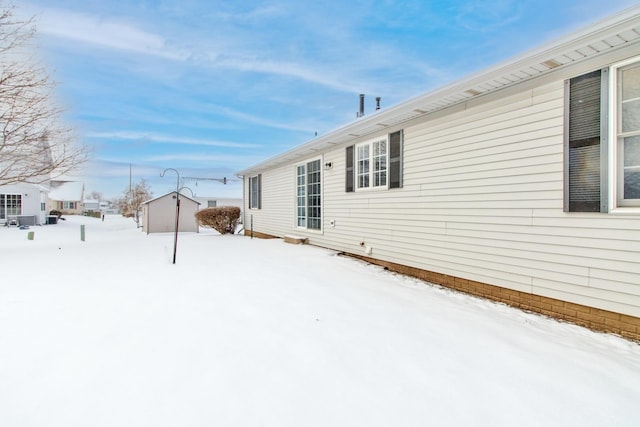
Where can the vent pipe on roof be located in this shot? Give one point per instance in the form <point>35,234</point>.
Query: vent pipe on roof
<point>361,112</point>
<point>377,103</point>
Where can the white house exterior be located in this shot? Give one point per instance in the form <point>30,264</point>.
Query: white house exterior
<point>23,203</point>
<point>159,214</point>
<point>519,183</point>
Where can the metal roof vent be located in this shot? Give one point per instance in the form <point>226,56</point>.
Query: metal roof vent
<point>361,111</point>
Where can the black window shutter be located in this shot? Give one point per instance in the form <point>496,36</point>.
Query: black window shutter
<point>349,177</point>
<point>585,154</point>
<point>395,159</point>
<point>259,191</point>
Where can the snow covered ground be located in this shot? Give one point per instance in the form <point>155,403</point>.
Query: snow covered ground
<point>250,332</point>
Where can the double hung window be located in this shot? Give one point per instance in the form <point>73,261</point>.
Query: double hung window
<point>628,135</point>
<point>255,192</point>
<point>371,164</point>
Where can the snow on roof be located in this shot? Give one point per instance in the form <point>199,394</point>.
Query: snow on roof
<point>67,191</point>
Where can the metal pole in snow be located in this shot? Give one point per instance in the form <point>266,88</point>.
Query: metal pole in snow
<point>175,234</point>
<point>175,237</point>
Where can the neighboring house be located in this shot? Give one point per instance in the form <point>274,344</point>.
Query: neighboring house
<point>108,208</point>
<point>67,197</point>
<point>213,202</point>
<point>90,205</point>
<point>23,204</point>
<point>159,214</point>
<point>519,183</point>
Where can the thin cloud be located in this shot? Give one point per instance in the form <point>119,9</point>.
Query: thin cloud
<point>288,69</point>
<point>249,118</point>
<point>107,33</point>
<point>125,37</point>
<point>167,139</point>
<point>488,16</point>
<point>257,14</point>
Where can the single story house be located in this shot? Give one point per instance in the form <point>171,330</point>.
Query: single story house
<point>67,197</point>
<point>23,204</point>
<point>159,214</point>
<point>520,183</point>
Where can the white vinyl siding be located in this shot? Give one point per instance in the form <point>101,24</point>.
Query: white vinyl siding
<point>278,205</point>
<point>481,199</point>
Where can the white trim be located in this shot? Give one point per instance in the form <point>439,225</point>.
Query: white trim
<point>614,143</point>
<point>356,177</point>
<point>306,183</point>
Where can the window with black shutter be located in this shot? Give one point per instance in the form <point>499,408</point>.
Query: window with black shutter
<point>395,159</point>
<point>375,164</point>
<point>349,170</point>
<point>585,143</point>
<point>255,192</point>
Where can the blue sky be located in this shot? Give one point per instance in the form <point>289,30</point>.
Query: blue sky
<point>211,87</point>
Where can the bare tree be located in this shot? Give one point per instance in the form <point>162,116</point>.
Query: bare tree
<point>34,145</point>
<point>95,195</point>
<point>131,202</point>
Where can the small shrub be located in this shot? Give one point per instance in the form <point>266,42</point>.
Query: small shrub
<point>56,213</point>
<point>223,219</point>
